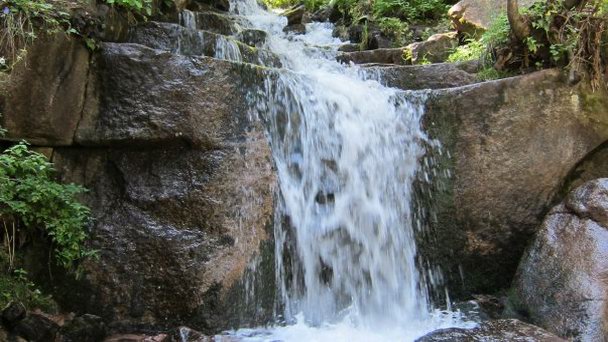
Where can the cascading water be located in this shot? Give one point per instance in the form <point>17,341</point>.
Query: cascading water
<point>346,151</point>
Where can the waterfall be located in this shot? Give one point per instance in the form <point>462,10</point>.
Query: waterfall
<point>346,150</point>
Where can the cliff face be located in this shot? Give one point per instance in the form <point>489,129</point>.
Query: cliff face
<point>181,179</point>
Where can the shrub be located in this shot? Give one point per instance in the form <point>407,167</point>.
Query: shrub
<point>410,10</point>
<point>31,200</point>
<point>143,7</point>
<point>394,28</point>
<point>497,34</point>
<point>21,21</point>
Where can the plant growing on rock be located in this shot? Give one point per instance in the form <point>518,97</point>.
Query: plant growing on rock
<point>31,200</point>
<point>20,23</point>
<point>570,33</point>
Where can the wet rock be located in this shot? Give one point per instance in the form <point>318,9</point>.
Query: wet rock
<point>504,158</point>
<point>178,39</point>
<point>432,76</point>
<point>349,47</point>
<point>295,15</point>
<point>296,28</point>
<point>139,338</point>
<point>561,281</point>
<point>253,37</point>
<point>152,97</point>
<point>45,92</point>
<point>499,330</point>
<point>436,49</point>
<point>85,328</point>
<point>185,334</point>
<point>36,328</point>
<point>13,313</point>
<point>474,16</point>
<point>382,56</point>
<point>219,23</point>
<point>181,186</point>
<point>327,14</point>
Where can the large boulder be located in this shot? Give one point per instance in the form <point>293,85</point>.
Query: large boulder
<point>499,330</point>
<point>561,281</point>
<point>474,16</point>
<point>506,148</point>
<point>181,189</point>
<point>43,99</point>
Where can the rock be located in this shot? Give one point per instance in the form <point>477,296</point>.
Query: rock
<point>432,76</point>
<point>215,22</point>
<point>13,313</point>
<point>595,165</point>
<point>561,281</point>
<point>139,338</point>
<point>86,328</point>
<point>474,16</point>
<point>499,330</point>
<point>296,28</point>
<point>36,328</point>
<point>327,14</point>
<point>349,47</point>
<point>436,49</point>
<point>137,108</point>
<point>253,37</point>
<point>185,334</point>
<point>190,42</point>
<point>43,100</point>
<point>181,189</point>
<point>507,146</point>
<point>295,15</point>
<point>382,56</point>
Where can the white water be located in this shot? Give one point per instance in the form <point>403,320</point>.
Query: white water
<point>347,152</point>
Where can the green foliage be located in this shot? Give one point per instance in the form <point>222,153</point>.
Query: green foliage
<point>30,196</point>
<point>15,286</point>
<point>143,7</point>
<point>410,10</point>
<point>394,28</point>
<point>20,23</point>
<point>496,35</point>
<point>473,50</point>
<point>490,73</point>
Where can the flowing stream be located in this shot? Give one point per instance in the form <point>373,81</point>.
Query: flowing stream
<point>346,150</point>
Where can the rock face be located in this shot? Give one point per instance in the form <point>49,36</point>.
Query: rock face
<point>181,183</point>
<point>562,281</point>
<point>471,16</point>
<point>507,146</point>
<point>499,330</point>
<point>47,110</point>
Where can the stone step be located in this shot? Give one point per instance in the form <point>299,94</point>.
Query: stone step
<point>191,42</point>
<point>416,77</point>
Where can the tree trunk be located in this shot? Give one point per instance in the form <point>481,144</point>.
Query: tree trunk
<point>518,23</point>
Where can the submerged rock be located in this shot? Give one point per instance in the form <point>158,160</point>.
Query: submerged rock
<point>561,282</point>
<point>499,330</point>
